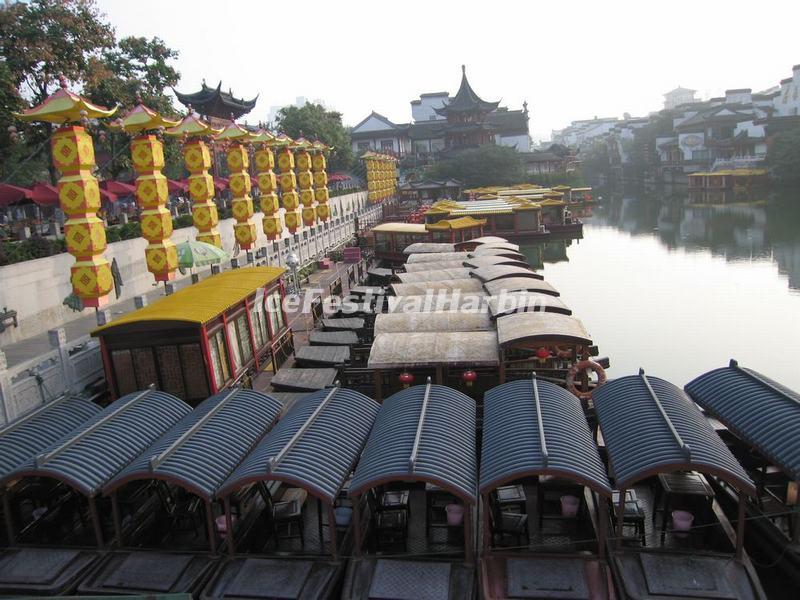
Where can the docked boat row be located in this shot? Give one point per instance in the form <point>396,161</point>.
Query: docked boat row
<point>428,494</point>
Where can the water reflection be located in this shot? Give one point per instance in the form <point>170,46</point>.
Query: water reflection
<point>755,229</point>
<point>679,286</point>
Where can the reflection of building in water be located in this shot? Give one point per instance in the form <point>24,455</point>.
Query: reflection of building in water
<point>554,251</point>
<point>736,230</point>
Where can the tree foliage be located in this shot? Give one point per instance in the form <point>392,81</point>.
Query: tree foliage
<point>485,165</point>
<point>314,122</point>
<point>43,39</point>
<point>784,156</point>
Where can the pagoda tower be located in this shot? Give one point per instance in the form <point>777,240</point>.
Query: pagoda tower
<point>466,116</point>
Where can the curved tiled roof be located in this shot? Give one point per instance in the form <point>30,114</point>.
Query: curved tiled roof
<point>517,444</point>
<point>314,446</point>
<point>494,272</point>
<point>204,448</point>
<point>94,452</point>
<point>24,438</point>
<point>651,426</point>
<point>541,327</point>
<point>757,409</point>
<point>423,433</point>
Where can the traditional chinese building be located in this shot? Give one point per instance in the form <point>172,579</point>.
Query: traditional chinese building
<point>214,103</point>
<point>466,116</point>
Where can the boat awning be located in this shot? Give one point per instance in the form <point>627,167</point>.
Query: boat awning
<point>427,266</point>
<point>499,252</point>
<point>202,450</point>
<point>22,439</point>
<point>94,452</point>
<point>488,239</point>
<point>426,247</point>
<point>399,322</point>
<point>519,284</point>
<point>439,301</point>
<point>651,426</point>
<point>421,288</point>
<point>495,246</point>
<point>489,261</point>
<point>425,433</point>
<point>758,410</point>
<point>314,446</point>
<point>494,272</point>
<point>533,427</point>
<point>198,303</point>
<point>436,257</point>
<point>540,327</point>
<point>512,302</point>
<point>468,348</point>
<point>433,275</point>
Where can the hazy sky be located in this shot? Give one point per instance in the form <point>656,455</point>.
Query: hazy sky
<point>569,60</point>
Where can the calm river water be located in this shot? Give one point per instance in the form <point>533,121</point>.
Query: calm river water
<point>680,288</point>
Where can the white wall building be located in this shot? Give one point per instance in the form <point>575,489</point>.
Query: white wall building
<point>678,96</point>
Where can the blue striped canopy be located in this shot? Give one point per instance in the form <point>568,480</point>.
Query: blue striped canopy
<point>757,409</point>
<point>201,451</point>
<point>313,449</point>
<point>642,440</point>
<point>445,455</point>
<point>514,446</point>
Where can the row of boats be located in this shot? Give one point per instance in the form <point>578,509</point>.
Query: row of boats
<point>502,485</point>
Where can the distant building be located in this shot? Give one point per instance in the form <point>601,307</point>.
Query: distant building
<point>583,131</point>
<point>678,96</point>
<point>443,123</point>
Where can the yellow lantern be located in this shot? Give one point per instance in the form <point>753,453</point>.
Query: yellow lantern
<point>319,165</point>
<point>152,193</point>
<point>238,160</point>
<point>197,159</point>
<point>78,190</point>
<point>287,181</point>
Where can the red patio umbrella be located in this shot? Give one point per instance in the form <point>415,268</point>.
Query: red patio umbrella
<point>9,194</point>
<point>220,183</point>
<point>119,188</point>
<point>106,195</point>
<point>45,194</point>
<point>175,186</point>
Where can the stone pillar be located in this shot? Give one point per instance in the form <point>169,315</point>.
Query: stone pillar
<point>58,341</point>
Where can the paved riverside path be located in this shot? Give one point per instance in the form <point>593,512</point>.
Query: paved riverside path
<point>33,347</point>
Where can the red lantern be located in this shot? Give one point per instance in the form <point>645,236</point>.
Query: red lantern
<point>406,379</point>
<point>542,354</point>
<point>469,377</point>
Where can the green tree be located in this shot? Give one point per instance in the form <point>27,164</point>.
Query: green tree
<point>485,165</point>
<point>44,38</point>
<point>314,122</point>
<point>784,156</point>
<point>136,66</point>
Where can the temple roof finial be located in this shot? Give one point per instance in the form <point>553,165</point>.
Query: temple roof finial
<point>463,69</point>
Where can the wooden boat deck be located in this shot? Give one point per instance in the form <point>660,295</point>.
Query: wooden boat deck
<point>44,571</point>
<point>332,338</point>
<point>408,579</point>
<point>288,379</point>
<point>322,356</point>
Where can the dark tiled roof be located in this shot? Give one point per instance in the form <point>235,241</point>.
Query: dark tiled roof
<point>712,115</point>
<point>423,433</point>
<point>23,439</point>
<point>215,102</point>
<point>757,409</point>
<point>508,122</point>
<point>202,450</point>
<point>426,130</point>
<point>532,427</point>
<point>651,426</point>
<point>94,452</point>
<point>314,446</point>
<point>466,100</point>
<point>534,157</point>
